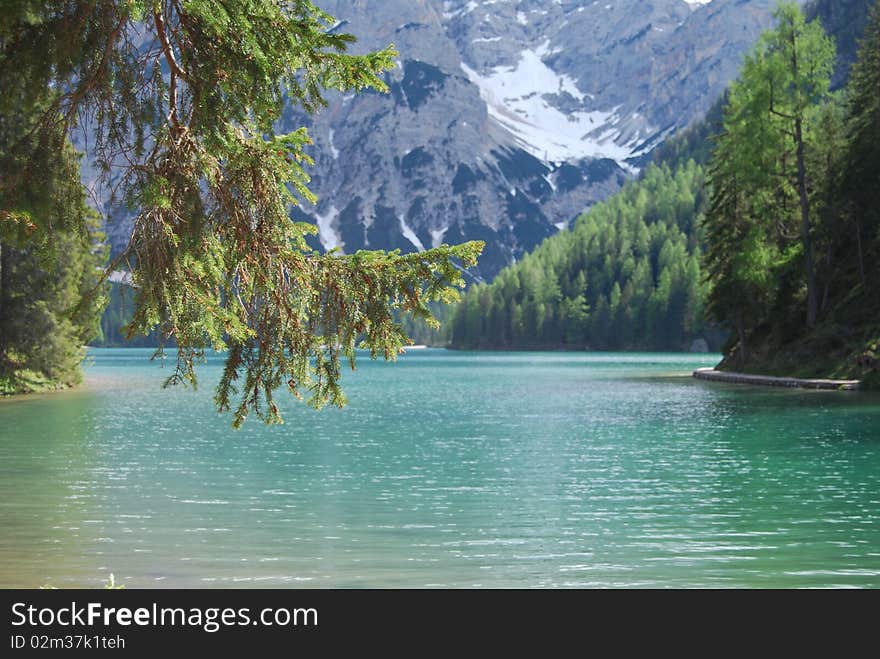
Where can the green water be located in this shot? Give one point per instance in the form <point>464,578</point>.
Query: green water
<point>446,469</point>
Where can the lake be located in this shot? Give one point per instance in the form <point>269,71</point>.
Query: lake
<point>446,469</point>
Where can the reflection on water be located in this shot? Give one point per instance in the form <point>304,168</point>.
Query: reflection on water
<point>446,469</point>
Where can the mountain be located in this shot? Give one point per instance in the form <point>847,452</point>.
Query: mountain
<point>506,119</point>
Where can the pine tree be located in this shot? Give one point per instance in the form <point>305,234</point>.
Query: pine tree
<point>799,60</point>
<point>762,176</point>
<point>49,311</point>
<point>182,97</point>
<point>738,222</point>
<point>861,178</point>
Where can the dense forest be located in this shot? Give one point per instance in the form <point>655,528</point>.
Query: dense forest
<point>49,310</point>
<point>626,275</point>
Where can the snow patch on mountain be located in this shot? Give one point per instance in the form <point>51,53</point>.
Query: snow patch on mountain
<point>437,236</point>
<point>410,235</point>
<point>519,98</point>
<point>327,233</point>
<point>333,150</point>
<point>449,12</point>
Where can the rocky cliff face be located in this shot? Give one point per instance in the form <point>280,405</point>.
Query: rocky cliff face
<point>507,118</point>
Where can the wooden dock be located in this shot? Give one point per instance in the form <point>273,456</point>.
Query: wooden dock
<point>770,381</point>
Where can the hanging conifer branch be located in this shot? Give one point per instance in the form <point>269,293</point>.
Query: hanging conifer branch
<point>217,262</point>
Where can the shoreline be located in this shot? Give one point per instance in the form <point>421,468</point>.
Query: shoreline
<point>711,375</point>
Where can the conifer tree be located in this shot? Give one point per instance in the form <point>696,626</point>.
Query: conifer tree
<point>181,99</point>
<point>861,178</point>
<point>762,211</point>
<point>799,60</point>
<point>739,221</point>
<point>48,309</point>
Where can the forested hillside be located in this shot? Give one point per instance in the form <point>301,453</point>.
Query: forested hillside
<point>627,275</point>
<point>845,21</point>
<point>116,318</point>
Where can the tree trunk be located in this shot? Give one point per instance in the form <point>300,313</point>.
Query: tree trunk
<point>741,331</point>
<point>827,288</point>
<point>861,256</point>
<point>812,299</point>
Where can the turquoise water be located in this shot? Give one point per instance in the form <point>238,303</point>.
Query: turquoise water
<point>446,469</point>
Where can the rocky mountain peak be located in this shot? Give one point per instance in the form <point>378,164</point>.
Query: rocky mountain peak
<point>507,118</point>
